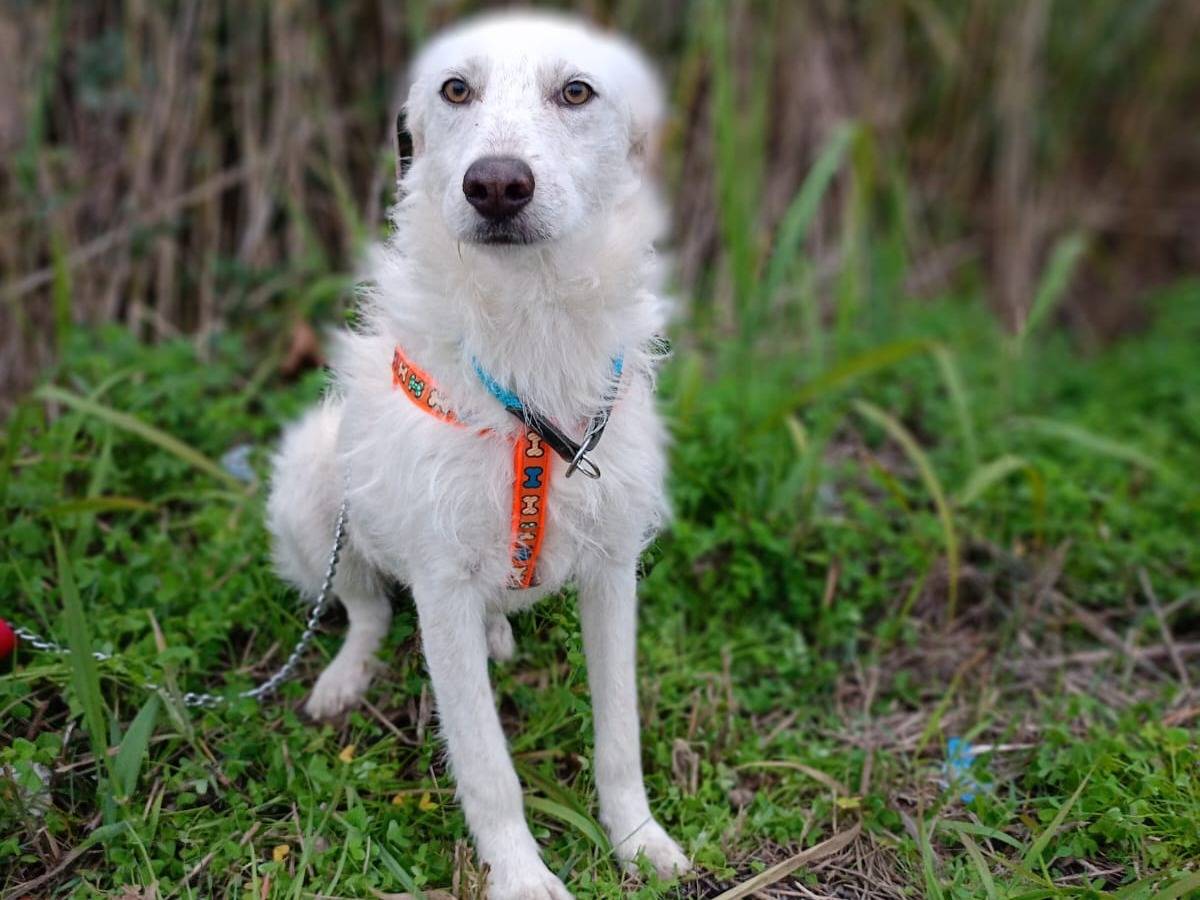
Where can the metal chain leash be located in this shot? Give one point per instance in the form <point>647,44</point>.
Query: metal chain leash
<point>280,675</point>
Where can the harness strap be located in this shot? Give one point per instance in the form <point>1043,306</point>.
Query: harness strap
<point>531,484</point>
<point>531,470</point>
<point>420,388</point>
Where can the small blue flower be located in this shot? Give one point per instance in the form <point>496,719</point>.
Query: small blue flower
<point>236,462</point>
<point>956,770</point>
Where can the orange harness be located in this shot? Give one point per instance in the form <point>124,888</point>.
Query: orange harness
<point>531,470</point>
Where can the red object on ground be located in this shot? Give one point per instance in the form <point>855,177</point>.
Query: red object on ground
<point>8,640</point>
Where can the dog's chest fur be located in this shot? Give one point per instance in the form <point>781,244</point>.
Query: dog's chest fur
<point>430,500</point>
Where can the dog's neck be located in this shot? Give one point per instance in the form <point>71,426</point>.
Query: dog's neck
<point>546,321</point>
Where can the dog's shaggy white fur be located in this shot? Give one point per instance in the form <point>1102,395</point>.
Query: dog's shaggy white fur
<point>574,282</point>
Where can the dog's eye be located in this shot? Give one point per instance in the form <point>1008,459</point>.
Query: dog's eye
<point>577,93</point>
<point>456,91</point>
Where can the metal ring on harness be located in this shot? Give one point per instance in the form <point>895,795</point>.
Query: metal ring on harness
<point>581,462</point>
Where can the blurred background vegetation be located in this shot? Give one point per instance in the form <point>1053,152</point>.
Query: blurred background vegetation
<point>184,167</point>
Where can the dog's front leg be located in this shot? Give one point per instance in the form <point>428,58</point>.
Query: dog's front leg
<point>455,643</point>
<point>608,608</point>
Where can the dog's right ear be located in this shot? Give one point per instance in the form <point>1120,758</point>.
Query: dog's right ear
<point>404,145</point>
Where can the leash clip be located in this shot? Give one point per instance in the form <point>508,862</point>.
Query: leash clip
<point>581,463</point>
<point>588,443</point>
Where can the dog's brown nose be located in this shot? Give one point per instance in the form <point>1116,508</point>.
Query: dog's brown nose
<point>498,186</point>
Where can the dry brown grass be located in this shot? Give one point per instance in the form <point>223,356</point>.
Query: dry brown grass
<point>179,166</point>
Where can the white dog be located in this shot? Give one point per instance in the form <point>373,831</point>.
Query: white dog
<point>521,271</point>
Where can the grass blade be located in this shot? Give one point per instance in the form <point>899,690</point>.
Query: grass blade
<point>1095,443</point>
<point>103,834</point>
<point>132,752</point>
<point>933,887</point>
<point>804,207</point>
<point>581,823</point>
<point>846,372</point>
<point>1034,853</point>
<point>799,435</point>
<point>1180,888</point>
<point>12,443</point>
<point>136,426</point>
<point>917,456</point>
<point>1054,283</point>
<point>992,834</point>
<point>1139,890</point>
<point>85,676</point>
<point>101,504</point>
<point>981,866</point>
<point>399,872</point>
<point>988,475</point>
<point>815,774</point>
<point>957,390</point>
<point>781,870</point>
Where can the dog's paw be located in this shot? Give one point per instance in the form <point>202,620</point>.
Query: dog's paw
<point>653,843</point>
<point>500,638</point>
<point>340,687</point>
<point>527,882</point>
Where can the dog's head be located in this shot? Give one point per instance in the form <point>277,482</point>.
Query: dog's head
<point>527,128</point>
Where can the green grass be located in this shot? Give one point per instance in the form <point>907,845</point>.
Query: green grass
<point>803,658</point>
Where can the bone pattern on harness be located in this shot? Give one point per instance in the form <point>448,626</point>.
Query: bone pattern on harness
<point>531,483</point>
<point>531,471</point>
<point>420,388</point>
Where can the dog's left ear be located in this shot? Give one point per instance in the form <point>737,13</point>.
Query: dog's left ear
<point>643,91</point>
<point>404,145</point>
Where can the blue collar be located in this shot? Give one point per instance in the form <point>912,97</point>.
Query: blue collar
<point>510,401</point>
